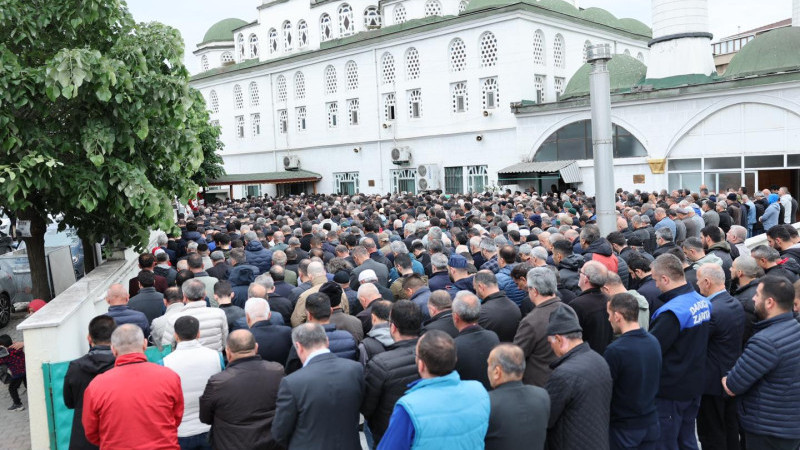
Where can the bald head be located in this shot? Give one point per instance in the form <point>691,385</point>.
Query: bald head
<point>506,363</point>
<point>316,269</point>
<point>710,279</point>
<point>368,292</point>
<point>240,344</point>
<point>117,295</point>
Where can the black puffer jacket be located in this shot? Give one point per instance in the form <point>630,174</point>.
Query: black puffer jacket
<point>387,377</point>
<point>569,272</point>
<point>80,373</point>
<point>745,296</point>
<point>580,400</point>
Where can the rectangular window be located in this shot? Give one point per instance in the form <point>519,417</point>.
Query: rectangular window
<point>240,127</point>
<point>346,183</point>
<point>477,178</point>
<point>453,180</point>
<point>762,161</point>
<point>414,104</point>
<point>559,85</point>
<point>301,118</point>
<point>352,107</point>
<point>255,120</point>
<point>389,107</point>
<point>404,180</point>
<point>490,104</point>
<point>539,83</point>
<point>333,110</point>
<point>283,121</point>
<point>458,91</point>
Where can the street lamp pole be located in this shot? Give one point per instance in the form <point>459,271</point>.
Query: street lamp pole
<point>602,138</point>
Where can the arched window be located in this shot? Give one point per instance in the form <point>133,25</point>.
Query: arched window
<point>412,64</point>
<point>387,68</point>
<point>490,93</point>
<point>574,141</point>
<point>226,58</point>
<point>299,86</point>
<point>346,26</point>
<point>325,28</point>
<point>372,18</point>
<point>640,56</point>
<point>586,46</point>
<point>238,97</point>
<point>273,41</point>
<point>253,46</point>
<point>330,80</point>
<point>433,8</point>
<point>399,14</point>
<point>415,104</point>
<point>460,99</point>
<point>287,36</point>
<point>558,52</point>
<point>214,102</point>
<point>463,6</point>
<point>281,88</point>
<point>539,56</point>
<point>351,72</point>
<point>242,50</point>
<point>627,52</point>
<point>204,62</point>
<point>488,49</point>
<point>458,55</point>
<point>253,88</point>
<point>302,34</point>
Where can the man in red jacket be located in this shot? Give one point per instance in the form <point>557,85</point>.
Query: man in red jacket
<point>135,405</point>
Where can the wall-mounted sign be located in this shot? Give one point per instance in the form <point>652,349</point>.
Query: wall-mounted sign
<point>638,179</point>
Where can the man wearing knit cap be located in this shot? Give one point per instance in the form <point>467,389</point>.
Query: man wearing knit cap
<point>579,387</point>
<point>457,266</point>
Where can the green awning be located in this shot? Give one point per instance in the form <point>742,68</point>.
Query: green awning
<point>282,177</point>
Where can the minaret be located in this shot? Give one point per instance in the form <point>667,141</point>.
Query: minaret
<point>796,13</point>
<point>681,40</point>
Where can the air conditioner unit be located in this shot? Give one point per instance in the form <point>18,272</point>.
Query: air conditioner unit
<point>401,155</point>
<point>428,178</point>
<point>291,162</point>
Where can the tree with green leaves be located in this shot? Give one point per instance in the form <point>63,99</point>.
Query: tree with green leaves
<point>97,123</point>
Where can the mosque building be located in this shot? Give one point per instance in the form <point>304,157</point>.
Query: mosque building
<point>352,96</point>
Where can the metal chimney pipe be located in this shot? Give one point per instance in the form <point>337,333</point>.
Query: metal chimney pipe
<point>602,138</point>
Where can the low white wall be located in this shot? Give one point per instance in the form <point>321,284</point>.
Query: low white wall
<point>761,239</point>
<point>58,331</point>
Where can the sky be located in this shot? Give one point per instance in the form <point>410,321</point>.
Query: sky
<point>194,17</point>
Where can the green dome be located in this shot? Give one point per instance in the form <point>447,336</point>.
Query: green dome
<point>774,51</point>
<point>626,71</point>
<point>554,5</point>
<point>222,30</point>
<point>599,15</point>
<point>634,26</point>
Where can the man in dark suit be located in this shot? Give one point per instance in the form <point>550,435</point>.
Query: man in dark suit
<point>473,343</point>
<point>328,390</point>
<point>361,257</point>
<point>498,313</point>
<point>274,341</point>
<point>440,306</point>
<point>519,413</point>
<point>221,269</point>
<point>717,420</point>
<point>148,300</point>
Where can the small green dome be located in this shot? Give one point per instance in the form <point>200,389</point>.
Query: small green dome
<point>634,26</point>
<point>223,30</point>
<point>599,15</point>
<point>774,51</point>
<point>560,6</point>
<point>626,71</point>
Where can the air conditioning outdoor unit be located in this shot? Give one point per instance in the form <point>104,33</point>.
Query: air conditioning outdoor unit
<point>428,178</point>
<point>401,155</point>
<point>291,162</point>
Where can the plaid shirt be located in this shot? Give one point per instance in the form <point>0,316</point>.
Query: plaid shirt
<point>491,265</point>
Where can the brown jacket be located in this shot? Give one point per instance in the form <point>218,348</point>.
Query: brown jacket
<point>299,316</point>
<point>532,338</point>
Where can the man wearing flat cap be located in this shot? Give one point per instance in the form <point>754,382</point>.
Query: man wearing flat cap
<point>579,387</point>
<point>457,266</point>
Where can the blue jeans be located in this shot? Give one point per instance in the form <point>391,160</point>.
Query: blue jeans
<point>677,418</point>
<point>196,442</point>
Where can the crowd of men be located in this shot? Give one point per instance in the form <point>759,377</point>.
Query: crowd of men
<point>500,321</point>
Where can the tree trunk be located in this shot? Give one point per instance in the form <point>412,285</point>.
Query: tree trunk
<point>89,256</point>
<point>34,245</point>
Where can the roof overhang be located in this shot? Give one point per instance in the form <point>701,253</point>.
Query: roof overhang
<point>282,177</point>
<point>569,170</point>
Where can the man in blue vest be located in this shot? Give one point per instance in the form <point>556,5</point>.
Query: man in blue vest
<point>682,329</point>
<point>439,411</point>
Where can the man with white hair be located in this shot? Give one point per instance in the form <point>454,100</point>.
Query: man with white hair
<point>107,418</point>
<point>538,257</point>
<point>274,341</point>
<point>489,253</point>
<point>213,321</point>
<point>736,237</point>
<point>440,278</point>
<point>362,259</point>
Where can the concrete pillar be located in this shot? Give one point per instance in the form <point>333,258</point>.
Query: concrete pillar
<point>602,137</point>
<point>681,39</point>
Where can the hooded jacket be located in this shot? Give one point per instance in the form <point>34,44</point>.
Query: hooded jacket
<point>377,340</point>
<point>241,276</point>
<point>603,247</point>
<point>257,255</point>
<point>724,252</point>
<point>569,272</point>
<point>79,374</point>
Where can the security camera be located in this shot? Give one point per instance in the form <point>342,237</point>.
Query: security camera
<point>356,149</point>
<point>387,125</point>
<point>486,113</point>
<point>479,137</point>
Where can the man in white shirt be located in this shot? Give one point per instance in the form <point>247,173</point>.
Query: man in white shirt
<point>195,364</point>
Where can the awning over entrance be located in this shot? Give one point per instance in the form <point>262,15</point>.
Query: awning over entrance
<point>569,170</point>
<point>282,177</point>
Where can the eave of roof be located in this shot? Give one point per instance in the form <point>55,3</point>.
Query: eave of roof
<point>281,177</point>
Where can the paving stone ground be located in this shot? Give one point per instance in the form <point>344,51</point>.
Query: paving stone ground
<point>14,426</point>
